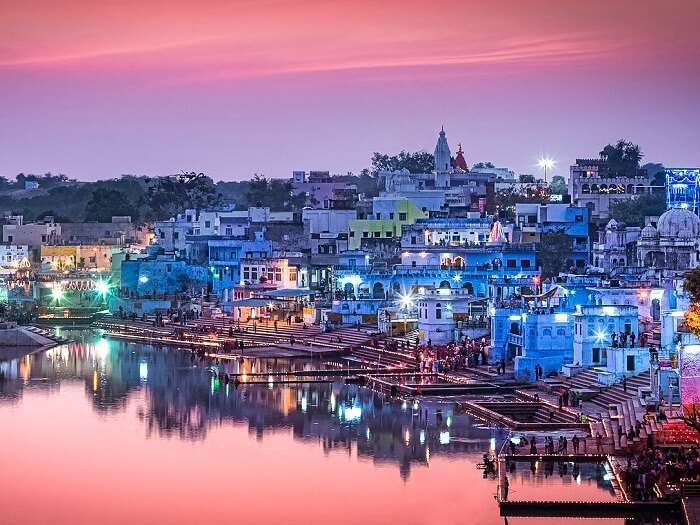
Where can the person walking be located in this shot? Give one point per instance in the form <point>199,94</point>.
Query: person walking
<point>505,486</point>
<point>575,443</point>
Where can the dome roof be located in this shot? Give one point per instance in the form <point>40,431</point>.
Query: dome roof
<point>649,232</point>
<point>679,222</point>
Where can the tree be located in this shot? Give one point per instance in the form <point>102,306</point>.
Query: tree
<point>526,178</point>
<point>554,253</point>
<point>623,158</point>
<point>275,194</point>
<point>417,162</point>
<point>632,212</point>
<point>482,165</point>
<point>106,203</point>
<point>173,194</point>
<point>558,186</point>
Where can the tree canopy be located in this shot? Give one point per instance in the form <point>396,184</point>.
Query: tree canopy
<point>481,165</point>
<point>168,196</point>
<point>414,162</point>
<point>623,157</point>
<point>554,253</point>
<point>106,203</point>
<point>275,194</point>
<point>632,211</point>
<point>558,186</point>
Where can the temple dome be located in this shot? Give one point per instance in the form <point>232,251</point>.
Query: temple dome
<point>680,223</point>
<point>443,157</point>
<point>649,232</point>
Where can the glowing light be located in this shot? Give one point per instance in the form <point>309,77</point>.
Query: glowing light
<point>355,280</point>
<point>421,437</point>
<point>457,278</point>
<point>514,317</point>
<point>57,292</point>
<point>304,404</point>
<point>143,372</point>
<point>143,279</point>
<point>609,310</point>
<point>406,301</point>
<point>600,335</point>
<point>423,254</point>
<point>353,413</point>
<point>561,318</point>
<point>445,437</point>
<point>546,163</point>
<point>102,288</point>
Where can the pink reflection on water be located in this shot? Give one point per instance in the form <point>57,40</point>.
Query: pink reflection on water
<point>64,463</point>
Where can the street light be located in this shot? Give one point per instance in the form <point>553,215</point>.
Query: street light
<point>546,163</point>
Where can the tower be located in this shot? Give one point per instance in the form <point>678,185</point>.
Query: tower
<point>443,161</point>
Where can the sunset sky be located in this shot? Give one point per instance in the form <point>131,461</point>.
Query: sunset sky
<point>97,89</point>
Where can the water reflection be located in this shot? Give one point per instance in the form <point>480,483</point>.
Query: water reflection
<point>183,400</point>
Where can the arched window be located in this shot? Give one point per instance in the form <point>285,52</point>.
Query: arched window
<point>585,188</point>
<point>594,188</point>
<point>630,188</point>
<point>438,311</point>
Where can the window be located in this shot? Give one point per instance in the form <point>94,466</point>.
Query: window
<point>176,235</point>
<point>377,234</point>
<point>438,311</point>
<point>378,216</point>
<point>365,234</point>
<point>9,238</point>
<point>254,273</point>
<point>403,216</point>
<point>510,263</point>
<point>293,274</point>
<point>162,234</point>
<point>630,363</point>
<point>387,234</point>
<point>207,224</point>
<point>189,218</point>
<point>391,216</point>
<point>525,263</point>
<point>413,239</point>
<point>352,233</point>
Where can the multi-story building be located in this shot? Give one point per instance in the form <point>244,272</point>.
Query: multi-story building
<point>592,184</point>
<point>534,220</point>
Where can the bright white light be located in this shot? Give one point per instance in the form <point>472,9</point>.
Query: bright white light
<point>600,335</point>
<point>444,437</point>
<point>561,318</point>
<point>143,371</point>
<point>406,301</point>
<point>355,280</point>
<point>514,317</point>
<point>143,279</point>
<point>546,163</point>
<point>457,278</point>
<point>353,413</point>
<point>102,288</point>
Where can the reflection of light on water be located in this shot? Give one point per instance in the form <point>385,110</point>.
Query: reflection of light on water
<point>353,413</point>
<point>367,433</point>
<point>407,437</point>
<point>333,403</point>
<point>578,479</point>
<point>492,445</point>
<point>445,437</point>
<point>515,440</point>
<point>94,380</point>
<point>143,372</point>
<point>404,405</point>
<point>448,421</point>
<point>304,404</point>
<point>102,348</point>
<point>421,437</point>
<point>415,405</point>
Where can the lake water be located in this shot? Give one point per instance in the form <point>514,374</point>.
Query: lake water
<point>106,432</point>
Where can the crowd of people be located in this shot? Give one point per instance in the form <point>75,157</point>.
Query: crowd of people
<point>455,356</point>
<point>654,465</point>
<point>548,446</point>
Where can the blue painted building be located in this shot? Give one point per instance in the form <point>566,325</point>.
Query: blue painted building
<point>224,261</point>
<point>534,220</point>
<point>683,188</point>
<point>161,276</point>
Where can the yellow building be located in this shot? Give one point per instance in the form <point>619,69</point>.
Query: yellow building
<point>76,257</point>
<point>388,216</point>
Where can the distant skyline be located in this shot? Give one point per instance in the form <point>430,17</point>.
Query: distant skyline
<point>99,89</point>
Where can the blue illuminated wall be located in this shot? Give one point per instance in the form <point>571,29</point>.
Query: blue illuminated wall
<point>682,188</point>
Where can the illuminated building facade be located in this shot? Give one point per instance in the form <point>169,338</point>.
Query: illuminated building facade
<point>682,188</point>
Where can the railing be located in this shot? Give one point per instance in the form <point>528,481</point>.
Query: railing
<point>515,339</point>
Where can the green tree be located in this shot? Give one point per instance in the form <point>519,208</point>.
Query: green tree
<point>623,158</point>
<point>106,203</point>
<point>554,253</point>
<point>526,178</point>
<point>558,186</point>
<point>632,212</point>
<point>481,165</point>
<point>170,195</point>
<point>416,162</point>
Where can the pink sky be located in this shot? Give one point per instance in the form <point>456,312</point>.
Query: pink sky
<point>97,89</point>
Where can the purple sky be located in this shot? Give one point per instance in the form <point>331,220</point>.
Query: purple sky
<point>94,90</point>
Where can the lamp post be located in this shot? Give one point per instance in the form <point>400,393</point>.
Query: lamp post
<point>546,163</point>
